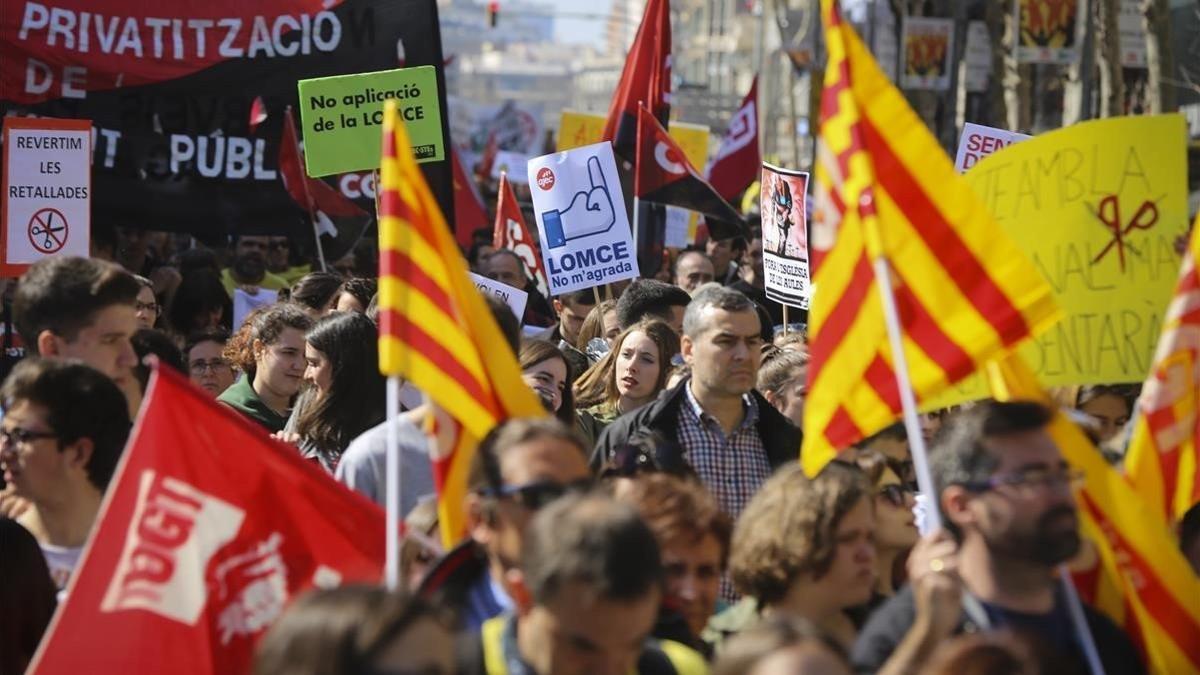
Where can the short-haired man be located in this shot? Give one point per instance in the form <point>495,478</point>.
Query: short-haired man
<point>724,429</point>
<point>650,298</point>
<point>521,466</point>
<point>587,595</point>
<point>505,266</point>
<point>726,254</point>
<point>64,427</point>
<point>85,309</point>
<point>692,270</point>
<point>1005,494</point>
<point>249,269</point>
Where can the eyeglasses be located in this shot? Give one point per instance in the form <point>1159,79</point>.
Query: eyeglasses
<point>534,496</point>
<point>151,307</point>
<point>19,436</point>
<point>1031,479</point>
<point>895,493</point>
<point>199,367</point>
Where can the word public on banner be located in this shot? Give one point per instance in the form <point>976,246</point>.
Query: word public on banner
<point>783,203</point>
<point>169,88</point>
<point>1048,31</point>
<point>1098,207</point>
<point>580,209</point>
<point>978,141</point>
<point>928,50</point>
<point>47,183</point>
<point>512,296</point>
<point>342,116</point>
<point>577,129</point>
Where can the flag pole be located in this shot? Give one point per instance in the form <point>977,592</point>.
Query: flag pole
<point>392,483</point>
<point>312,216</point>
<point>912,425</point>
<point>1082,631</point>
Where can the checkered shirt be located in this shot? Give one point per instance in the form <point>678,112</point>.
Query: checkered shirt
<point>732,467</point>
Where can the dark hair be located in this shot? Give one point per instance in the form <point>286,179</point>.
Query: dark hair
<point>151,341</point>
<point>990,653</point>
<point>80,402</point>
<point>316,289</point>
<point>679,511</point>
<point>647,451</point>
<point>1126,392</point>
<point>581,297</point>
<point>649,297</point>
<point>473,258</point>
<point>592,540</point>
<point>362,288</point>
<point>339,631</point>
<point>196,259</point>
<point>27,596</point>
<point>598,385</point>
<point>534,352</point>
<point>720,297</point>
<point>264,324</point>
<point>1189,528</point>
<point>64,294</point>
<point>510,323</point>
<point>199,293</point>
<point>217,335</point>
<point>485,471</point>
<point>593,323</point>
<point>356,397</point>
<point>743,652</point>
<point>789,528</point>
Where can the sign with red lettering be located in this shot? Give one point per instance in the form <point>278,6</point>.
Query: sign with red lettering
<point>208,530</point>
<point>978,141</point>
<point>46,201</point>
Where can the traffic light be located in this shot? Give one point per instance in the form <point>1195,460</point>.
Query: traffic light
<point>493,11</point>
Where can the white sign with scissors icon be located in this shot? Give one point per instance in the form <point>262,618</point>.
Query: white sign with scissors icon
<point>46,201</point>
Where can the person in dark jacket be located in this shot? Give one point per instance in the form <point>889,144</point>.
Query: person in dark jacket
<point>725,430</point>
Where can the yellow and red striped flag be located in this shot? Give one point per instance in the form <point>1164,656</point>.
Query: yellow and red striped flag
<point>1146,585</point>
<point>1162,462</point>
<point>963,290</point>
<point>434,328</point>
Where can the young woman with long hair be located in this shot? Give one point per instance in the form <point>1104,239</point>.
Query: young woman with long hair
<point>630,375</point>
<point>548,374</point>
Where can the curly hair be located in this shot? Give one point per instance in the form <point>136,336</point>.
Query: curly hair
<point>263,324</point>
<point>790,527</point>
<point>679,510</point>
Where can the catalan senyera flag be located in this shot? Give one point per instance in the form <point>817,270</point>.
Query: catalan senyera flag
<point>1147,587</point>
<point>1162,462</point>
<point>885,189</point>
<point>434,328</point>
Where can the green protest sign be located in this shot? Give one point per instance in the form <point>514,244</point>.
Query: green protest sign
<point>342,117</point>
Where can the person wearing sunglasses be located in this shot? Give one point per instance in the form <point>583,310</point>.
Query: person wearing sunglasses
<point>1009,513</point>
<point>63,430</point>
<point>522,465</point>
<point>895,526</point>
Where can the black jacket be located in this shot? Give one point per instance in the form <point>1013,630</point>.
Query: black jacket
<point>780,438</point>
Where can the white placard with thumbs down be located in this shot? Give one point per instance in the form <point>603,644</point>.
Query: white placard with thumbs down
<point>585,235</point>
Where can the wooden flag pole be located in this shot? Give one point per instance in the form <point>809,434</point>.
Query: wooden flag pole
<point>393,483</point>
<point>785,317</point>
<point>596,293</point>
<point>912,425</point>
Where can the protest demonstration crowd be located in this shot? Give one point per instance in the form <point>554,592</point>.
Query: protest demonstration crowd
<point>899,415</point>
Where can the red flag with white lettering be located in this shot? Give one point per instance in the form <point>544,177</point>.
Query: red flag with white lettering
<point>738,161</point>
<point>207,530</point>
<point>510,232</point>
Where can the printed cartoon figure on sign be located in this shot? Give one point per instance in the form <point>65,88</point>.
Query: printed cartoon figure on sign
<point>590,211</point>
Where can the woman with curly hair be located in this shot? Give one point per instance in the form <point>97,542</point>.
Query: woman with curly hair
<point>269,350</point>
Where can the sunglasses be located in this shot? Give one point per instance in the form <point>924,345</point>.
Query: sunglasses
<point>895,493</point>
<point>534,496</point>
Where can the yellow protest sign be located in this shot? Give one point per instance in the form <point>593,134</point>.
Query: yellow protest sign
<point>1098,207</point>
<point>577,129</point>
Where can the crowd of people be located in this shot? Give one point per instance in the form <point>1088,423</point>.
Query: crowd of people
<point>655,521</point>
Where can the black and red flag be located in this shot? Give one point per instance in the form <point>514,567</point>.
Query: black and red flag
<point>664,175</point>
<point>738,161</point>
<point>646,79</point>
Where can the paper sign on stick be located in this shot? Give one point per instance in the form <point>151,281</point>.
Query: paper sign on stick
<point>585,235</point>
<point>514,297</point>
<point>1098,207</point>
<point>341,118</point>
<point>47,185</point>
<point>978,141</point>
<point>785,235</point>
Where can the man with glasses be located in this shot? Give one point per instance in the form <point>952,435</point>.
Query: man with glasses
<point>63,430</point>
<point>521,466</point>
<point>1005,493</point>
<point>206,363</point>
<point>249,270</point>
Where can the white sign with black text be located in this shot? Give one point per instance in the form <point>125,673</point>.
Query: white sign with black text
<point>511,295</point>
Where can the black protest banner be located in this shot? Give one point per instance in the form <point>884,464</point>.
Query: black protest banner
<point>169,88</point>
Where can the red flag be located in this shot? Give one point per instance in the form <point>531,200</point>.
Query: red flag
<point>663,174</point>
<point>312,194</point>
<point>258,113</point>
<point>738,160</point>
<point>469,212</point>
<point>645,79</point>
<point>488,159</point>
<point>207,530</point>
<point>510,232</point>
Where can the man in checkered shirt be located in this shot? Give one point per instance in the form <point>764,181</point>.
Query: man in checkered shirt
<point>716,422</point>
